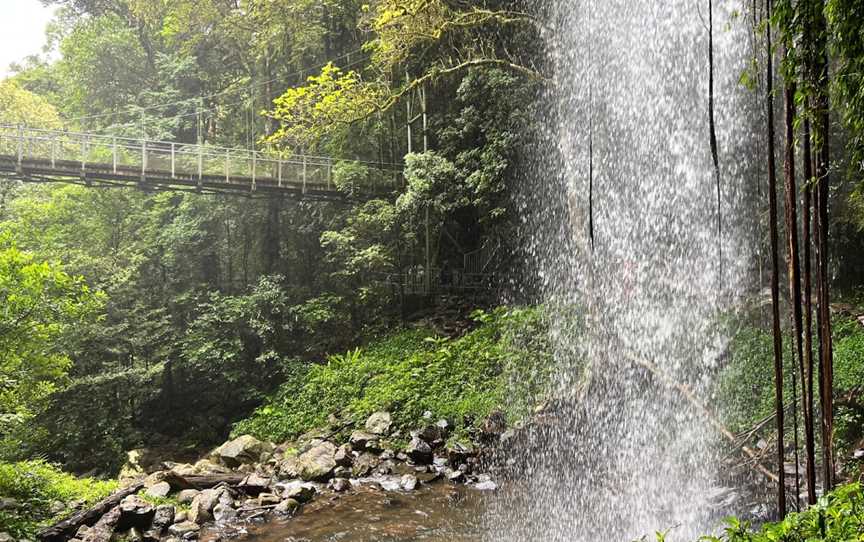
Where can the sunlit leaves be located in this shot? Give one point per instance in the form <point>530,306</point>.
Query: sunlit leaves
<point>18,106</point>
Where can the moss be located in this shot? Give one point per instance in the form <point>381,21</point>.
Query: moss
<point>503,364</point>
<point>36,486</point>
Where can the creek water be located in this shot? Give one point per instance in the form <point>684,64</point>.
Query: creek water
<point>436,513</point>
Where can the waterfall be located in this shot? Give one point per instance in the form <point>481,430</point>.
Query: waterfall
<point>626,159</point>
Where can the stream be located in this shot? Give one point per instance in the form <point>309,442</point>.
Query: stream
<point>434,513</point>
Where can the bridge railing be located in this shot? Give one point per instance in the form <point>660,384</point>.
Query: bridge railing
<point>165,160</point>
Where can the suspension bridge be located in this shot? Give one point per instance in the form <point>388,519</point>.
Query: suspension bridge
<point>39,155</point>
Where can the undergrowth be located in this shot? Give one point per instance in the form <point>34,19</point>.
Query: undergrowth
<point>35,487</point>
<point>503,364</point>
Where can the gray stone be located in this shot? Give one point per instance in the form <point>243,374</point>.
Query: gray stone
<point>224,512</point>
<point>487,485</point>
<point>455,476</point>
<point>203,504</point>
<point>243,449</point>
<point>379,423</point>
<point>430,433</point>
<point>187,496</point>
<point>459,452</point>
<point>160,489</point>
<point>267,499</point>
<point>408,482</point>
<point>340,485</point>
<point>6,537</point>
<point>82,530</point>
<point>57,508</point>
<point>361,440</point>
<point>289,467</point>
<point>297,490</point>
<point>364,465</point>
<point>205,466</point>
<point>7,503</point>
<point>495,424</point>
<point>135,512</point>
<point>184,528</point>
<point>104,528</point>
<point>254,484</point>
<point>164,516</point>
<point>318,462</point>
<point>419,451</point>
<point>286,507</point>
<point>344,456</point>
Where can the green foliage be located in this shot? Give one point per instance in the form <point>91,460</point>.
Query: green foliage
<point>41,306</point>
<point>19,106</point>
<point>504,363</point>
<point>838,517</point>
<point>37,486</point>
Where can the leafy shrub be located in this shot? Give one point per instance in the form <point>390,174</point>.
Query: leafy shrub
<point>836,517</point>
<point>504,364</point>
<point>36,486</point>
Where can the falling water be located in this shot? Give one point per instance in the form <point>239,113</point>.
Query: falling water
<point>622,453</point>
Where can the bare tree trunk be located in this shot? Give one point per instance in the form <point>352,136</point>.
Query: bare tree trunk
<point>822,148</point>
<point>807,373</point>
<point>793,266</point>
<point>775,274</point>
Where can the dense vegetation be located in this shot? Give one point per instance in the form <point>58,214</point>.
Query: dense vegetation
<point>133,318</point>
<point>504,364</point>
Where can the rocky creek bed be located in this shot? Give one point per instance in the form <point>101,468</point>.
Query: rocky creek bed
<point>370,482</point>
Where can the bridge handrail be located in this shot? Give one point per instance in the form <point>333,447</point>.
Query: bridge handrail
<point>216,150</point>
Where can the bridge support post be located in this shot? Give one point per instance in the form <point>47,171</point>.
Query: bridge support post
<point>254,162</point>
<point>53,152</point>
<point>304,175</point>
<point>200,165</point>
<point>143,160</point>
<point>173,170</point>
<point>114,154</point>
<point>20,149</point>
<point>227,166</point>
<point>279,173</point>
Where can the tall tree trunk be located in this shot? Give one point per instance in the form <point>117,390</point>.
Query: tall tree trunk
<point>775,274</point>
<point>807,373</point>
<point>793,264</point>
<point>822,148</point>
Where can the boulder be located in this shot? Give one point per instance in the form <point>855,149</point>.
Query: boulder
<point>139,463</point>
<point>8,503</point>
<point>361,440</point>
<point>419,451</point>
<point>159,490</point>
<point>205,466</point>
<point>187,496</point>
<point>254,484</point>
<point>458,452</point>
<point>163,517</point>
<point>299,491</point>
<point>6,537</point>
<point>135,513</point>
<point>430,433</point>
<point>317,463</point>
<point>201,509</point>
<point>182,529</point>
<point>286,507</point>
<point>241,450</point>
<point>379,423</point>
<point>344,456</point>
<point>224,512</point>
<point>364,465</point>
<point>455,476</point>
<point>495,424</point>
<point>408,482</point>
<point>104,528</point>
<point>290,467</point>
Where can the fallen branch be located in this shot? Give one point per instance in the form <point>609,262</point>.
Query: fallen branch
<point>67,528</point>
<point>201,481</point>
<point>691,398</point>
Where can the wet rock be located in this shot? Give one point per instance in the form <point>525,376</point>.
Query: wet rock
<point>389,483</point>
<point>341,472</point>
<point>254,484</point>
<point>419,451</point>
<point>387,455</point>
<point>287,507</point>
<point>268,499</point>
<point>339,485</point>
<point>135,512</point>
<point>344,456</point>
<point>361,440</point>
<point>297,490</point>
<point>402,456</point>
<point>82,530</point>
<point>187,496</point>
<point>180,517</point>
<point>203,504</point>
<point>379,423</point>
<point>440,461</point>
<point>224,512</point>
<point>104,528</point>
<point>163,517</point>
<point>408,482</point>
<point>459,452</point>
<point>318,462</point>
<point>183,529</point>
<point>444,426</point>
<point>430,433</point>
<point>160,489</point>
<point>386,467</point>
<point>8,503</point>
<point>364,465</point>
<point>495,424</point>
<point>486,485</point>
<point>241,450</point>
<point>455,476</point>
<point>205,466</point>
<point>290,467</point>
